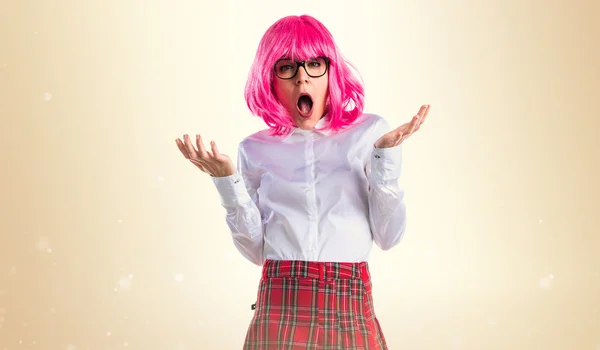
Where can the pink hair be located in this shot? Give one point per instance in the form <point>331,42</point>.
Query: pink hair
<point>299,38</point>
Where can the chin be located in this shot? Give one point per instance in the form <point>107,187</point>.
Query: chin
<point>307,123</point>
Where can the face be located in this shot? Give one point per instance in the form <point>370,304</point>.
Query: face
<point>303,96</point>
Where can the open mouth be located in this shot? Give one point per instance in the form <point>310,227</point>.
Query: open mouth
<point>305,105</point>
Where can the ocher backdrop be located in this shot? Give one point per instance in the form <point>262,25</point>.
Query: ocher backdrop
<point>111,240</point>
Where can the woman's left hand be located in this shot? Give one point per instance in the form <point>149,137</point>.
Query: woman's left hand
<point>398,135</point>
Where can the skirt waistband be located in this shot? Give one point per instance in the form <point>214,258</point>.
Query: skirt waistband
<point>316,270</point>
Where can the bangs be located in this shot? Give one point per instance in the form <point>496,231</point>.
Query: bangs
<point>300,40</point>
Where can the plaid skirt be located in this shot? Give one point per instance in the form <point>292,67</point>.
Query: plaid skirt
<point>314,305</point>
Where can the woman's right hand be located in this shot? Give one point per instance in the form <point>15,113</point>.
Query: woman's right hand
<point>213,163</point>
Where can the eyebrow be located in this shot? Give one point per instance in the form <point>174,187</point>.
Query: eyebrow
<point>286,58</point>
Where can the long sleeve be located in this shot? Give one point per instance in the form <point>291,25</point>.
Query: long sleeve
<point>239,197</point>
<point>387,208</point>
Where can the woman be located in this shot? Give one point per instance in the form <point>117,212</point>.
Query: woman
<point>311,193</point>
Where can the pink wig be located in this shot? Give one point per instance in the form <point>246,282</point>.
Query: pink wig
<point>299,38</point>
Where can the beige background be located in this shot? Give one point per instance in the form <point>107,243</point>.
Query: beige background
<point>111,240</point>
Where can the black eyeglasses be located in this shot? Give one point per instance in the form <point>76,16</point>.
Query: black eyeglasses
<point>315,67</point>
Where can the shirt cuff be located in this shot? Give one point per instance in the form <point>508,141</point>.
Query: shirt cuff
<point>232,189</point>
<point>386,163</point>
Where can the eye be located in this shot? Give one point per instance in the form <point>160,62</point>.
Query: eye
<point>285,65</point>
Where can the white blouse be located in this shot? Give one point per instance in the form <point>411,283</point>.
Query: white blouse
<point>315,195</point>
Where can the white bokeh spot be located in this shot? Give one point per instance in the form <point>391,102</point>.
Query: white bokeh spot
<point>124,283</point>
<point>545,283</point>
<point>43,244</point>
<point>179,277</point>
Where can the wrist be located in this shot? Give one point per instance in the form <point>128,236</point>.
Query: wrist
<point>224,174</point>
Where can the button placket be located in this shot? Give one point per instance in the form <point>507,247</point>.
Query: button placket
<point>312,214</point>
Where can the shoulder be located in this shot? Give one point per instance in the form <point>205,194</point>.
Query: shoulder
<point>370,122</point>
<point>262,137</point>
<point>369,119</point>
<point>364,123</point>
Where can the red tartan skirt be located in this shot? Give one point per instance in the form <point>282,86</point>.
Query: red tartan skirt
<point>314,305</point>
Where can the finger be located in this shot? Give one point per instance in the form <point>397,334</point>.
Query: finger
<point>425,114</point>
<point>418,120</point>
<point>405,127</point>
<point>401,139</point>
<point>188,145</point>
<point>215,151</point>
<point>197,163</point>
<point>182,148</point>
<point>410,128</point>
<point>422,110</point>
<point>201,149</point>
<point>414,123</point>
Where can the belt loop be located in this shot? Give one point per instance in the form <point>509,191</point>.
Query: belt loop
<point>364,272</point>
<point>321,271</point>
<point>265,267</point>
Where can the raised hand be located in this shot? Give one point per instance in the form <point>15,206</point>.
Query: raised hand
<point>213,163</point>
<point>398,135</point>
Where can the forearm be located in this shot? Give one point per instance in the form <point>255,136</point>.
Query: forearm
<point>387,214</point>
<point>242,216</point>
<point>387,208</point>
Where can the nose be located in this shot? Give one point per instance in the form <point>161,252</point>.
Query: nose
<point>302,76</point>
